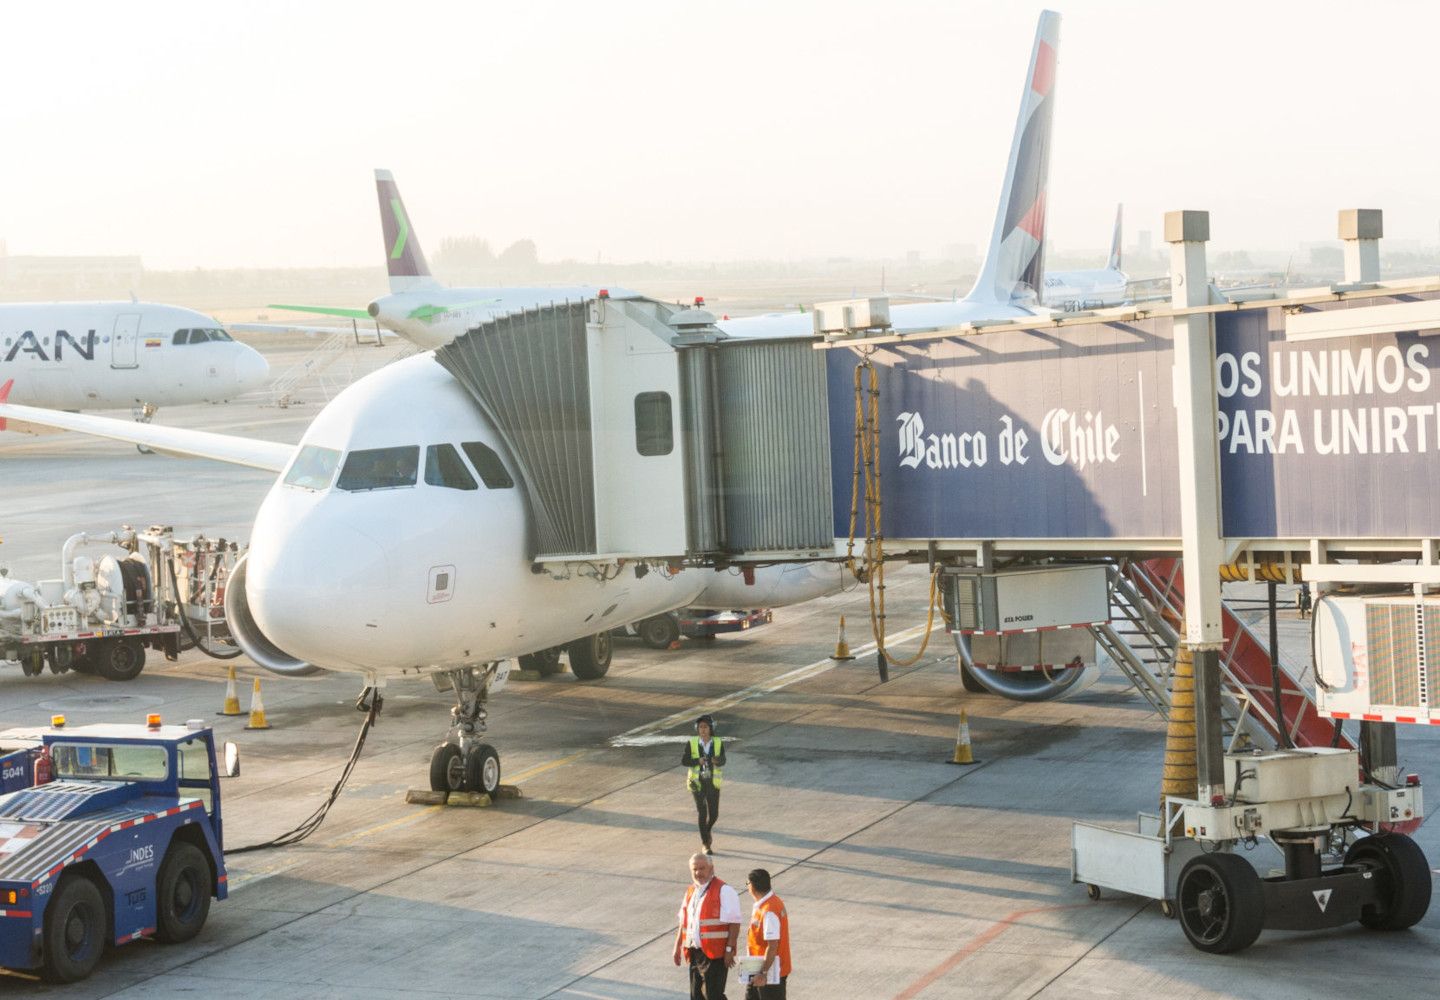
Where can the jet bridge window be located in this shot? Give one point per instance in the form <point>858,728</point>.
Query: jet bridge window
<point>654,426</point>
<point>380,469</point>
<point>488,464</point>
<point>313,468</point>
<point>443,467</point>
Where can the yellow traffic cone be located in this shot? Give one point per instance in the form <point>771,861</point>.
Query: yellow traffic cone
<point>963,754</point>
<point>232,700</point>
<point>257,709</point>
<point>842,648</point>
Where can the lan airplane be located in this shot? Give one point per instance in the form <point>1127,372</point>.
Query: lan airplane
<point>105,355</point>
<point>392,543</point>
<point>1093,288</point>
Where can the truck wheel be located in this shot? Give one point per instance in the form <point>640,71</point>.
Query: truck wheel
<point>1404,876</point>
<point>590,656</point>
<point>182,893</point>
<point>119,659</point>
<point>1221,904</point>
<point>74,930</point>
<point>447,769</point>
<point>482,770</point>
<point>659,632</point>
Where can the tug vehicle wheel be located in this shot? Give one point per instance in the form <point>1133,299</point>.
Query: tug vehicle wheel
<point>182,893</point>
<point>75,924</point>
<point>1221,903</point>
<point>659,632</point>
<point>1404,875</point>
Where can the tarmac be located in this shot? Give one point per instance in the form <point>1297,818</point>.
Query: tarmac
<point>904,876</point>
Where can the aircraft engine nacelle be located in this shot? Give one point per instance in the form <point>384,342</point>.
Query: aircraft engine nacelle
<point>247,634</point>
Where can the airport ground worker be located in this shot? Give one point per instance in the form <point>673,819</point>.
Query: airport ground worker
<point>769,937</point>
<point>704,761</point>
<point>709,927</point>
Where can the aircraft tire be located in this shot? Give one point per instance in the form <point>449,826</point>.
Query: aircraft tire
<point>590,656</point>
<point>447,769</point>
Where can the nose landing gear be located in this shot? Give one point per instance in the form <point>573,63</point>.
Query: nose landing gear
<point>464,763</point>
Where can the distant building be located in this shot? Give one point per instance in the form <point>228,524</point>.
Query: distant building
<point>68,277</point>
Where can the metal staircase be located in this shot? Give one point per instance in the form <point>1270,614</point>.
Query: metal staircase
<point>314,365</point>
<point>1146,597</point>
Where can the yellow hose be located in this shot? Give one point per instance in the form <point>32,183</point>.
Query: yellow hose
<point>1180,778</point>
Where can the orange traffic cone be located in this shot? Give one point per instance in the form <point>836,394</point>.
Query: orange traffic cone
<point>842,648</point>
<point>232,700</point>
<point>257,709</point>
<point>963,753</point>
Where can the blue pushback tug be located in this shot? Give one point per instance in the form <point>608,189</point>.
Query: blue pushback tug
<point>125,842</point>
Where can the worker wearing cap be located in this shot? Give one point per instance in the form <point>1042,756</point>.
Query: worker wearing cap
<point>704,761</point>
<point>769,937</point>
<point>709,927</point>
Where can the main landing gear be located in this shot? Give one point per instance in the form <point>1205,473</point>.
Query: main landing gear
<point>464,763</point>
<point>143,414</point>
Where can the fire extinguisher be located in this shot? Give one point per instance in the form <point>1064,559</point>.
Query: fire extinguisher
<point>44,768</point>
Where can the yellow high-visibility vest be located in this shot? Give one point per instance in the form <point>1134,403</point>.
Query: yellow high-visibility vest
<point>692,780</point>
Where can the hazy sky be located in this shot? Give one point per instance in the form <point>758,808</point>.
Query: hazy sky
<point>244,134</point>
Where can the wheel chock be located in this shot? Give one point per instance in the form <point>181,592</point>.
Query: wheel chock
<point>475,800</point>
<point>507,792</point>
<point>525,675</point>
<point>426,797</point>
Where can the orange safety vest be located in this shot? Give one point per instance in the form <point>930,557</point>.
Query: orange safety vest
<point>713,931</point>
<point>756,939</point>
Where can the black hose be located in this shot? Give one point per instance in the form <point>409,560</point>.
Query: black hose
<point>190,631</point>
<point>312,822</point>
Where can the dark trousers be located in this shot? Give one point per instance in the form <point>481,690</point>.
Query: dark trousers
<point>707,976</point>
<point>755,992</point>
<point>707,808</point>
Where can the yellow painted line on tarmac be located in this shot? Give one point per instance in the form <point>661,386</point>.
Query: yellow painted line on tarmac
<point>542,768</point>
<point>406,820</point>
<point>642,735</point>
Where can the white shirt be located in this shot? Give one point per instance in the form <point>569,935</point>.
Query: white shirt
<point>729,912</point>
<point>770,931</point>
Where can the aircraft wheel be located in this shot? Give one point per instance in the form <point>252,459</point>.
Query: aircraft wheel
<point>119,659</point>
<point>182,893</point>
<point>482,769</point>
<point>447,769</point>
<point>75,925</point>
<point>544,662</point>
<point>1404,879</point>
<point>659,632</point>
<point>590,656</point>
<point>1221,903</point>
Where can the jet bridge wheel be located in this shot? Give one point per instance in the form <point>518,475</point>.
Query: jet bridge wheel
<point>590,656</point>
<point>1221,903</point>
<point>659,632</point>
<point>1404,876</point>
<point>118,659</point>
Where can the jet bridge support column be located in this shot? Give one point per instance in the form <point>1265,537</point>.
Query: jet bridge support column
<point>1199,462</point>
<point>1361,229</point>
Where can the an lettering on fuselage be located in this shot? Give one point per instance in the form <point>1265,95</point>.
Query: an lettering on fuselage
<point>30,344</point>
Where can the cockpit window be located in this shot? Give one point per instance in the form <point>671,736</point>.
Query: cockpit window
<point>488,464</point>
<point>313,468</point>
<point>220,335</point>
<point>199,336</point>
<point>443,467</point>
<point>181,337</point>
<point>380,469</point>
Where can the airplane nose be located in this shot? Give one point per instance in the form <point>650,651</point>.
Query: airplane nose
<point>251,370</point>
<point>321,595</point>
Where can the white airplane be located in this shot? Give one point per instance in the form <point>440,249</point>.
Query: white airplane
<point>104,355</point>
<point>419,308</point>
<point>393,543</point>
<point>1092,288</point>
